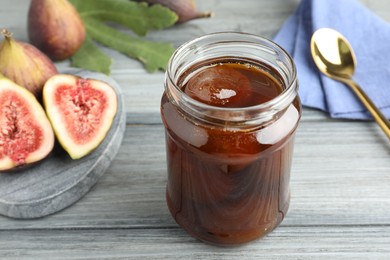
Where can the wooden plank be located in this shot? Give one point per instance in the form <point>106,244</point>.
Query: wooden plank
<point>143,90</point>
<point>324,242</point>
<point>339,177</point>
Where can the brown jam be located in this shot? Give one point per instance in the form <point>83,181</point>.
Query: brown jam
<point>229,186</point>
<point>232,85</point>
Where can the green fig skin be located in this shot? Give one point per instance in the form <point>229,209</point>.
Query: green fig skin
<point>55,27</point>
<point>24,64</point>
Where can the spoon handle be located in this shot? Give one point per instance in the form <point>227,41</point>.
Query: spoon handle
<point>367,102</point>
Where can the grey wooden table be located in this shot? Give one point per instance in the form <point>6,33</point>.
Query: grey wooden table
<point>340,206</point>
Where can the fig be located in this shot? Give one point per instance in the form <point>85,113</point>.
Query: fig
<point>26,135</point>
<point>24,64</point>
<point>80,110</point>
<point>55,27</point>
<point>185,9</point>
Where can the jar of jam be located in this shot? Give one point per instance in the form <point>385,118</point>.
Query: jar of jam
<point>230,110</point>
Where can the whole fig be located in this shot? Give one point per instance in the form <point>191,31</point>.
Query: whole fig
<point>24,64</point>
<point>55,27</point>
<point>185,9</point>
<point>26,135</point>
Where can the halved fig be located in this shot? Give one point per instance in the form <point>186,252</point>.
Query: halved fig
<point>80,110</point>
<point>26,135</point>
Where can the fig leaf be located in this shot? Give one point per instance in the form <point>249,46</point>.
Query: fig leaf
<point>154,55</point>
<point>91,57</point>
<point>100,17</point>
<point>138,17</point>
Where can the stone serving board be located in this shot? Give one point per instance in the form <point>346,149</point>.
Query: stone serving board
<point>58,181</point>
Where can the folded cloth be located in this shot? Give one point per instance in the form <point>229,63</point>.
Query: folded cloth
<point>369,36</point>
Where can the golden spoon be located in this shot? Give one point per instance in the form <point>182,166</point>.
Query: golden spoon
<point>334,57</point>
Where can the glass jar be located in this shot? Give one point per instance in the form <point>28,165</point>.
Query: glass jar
<point>229,167</point>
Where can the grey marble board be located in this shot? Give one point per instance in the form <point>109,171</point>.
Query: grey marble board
<point>58,181</point>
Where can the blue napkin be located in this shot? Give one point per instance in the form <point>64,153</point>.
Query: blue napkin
<point>369,36</point>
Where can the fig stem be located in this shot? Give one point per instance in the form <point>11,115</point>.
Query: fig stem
<point>204,15</point>
<point>6,33</point>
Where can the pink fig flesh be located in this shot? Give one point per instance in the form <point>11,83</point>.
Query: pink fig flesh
<point>81,112</point>
<point>26,135</point>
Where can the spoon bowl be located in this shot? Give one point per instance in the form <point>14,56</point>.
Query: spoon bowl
<point>332,53</point>
<point>334,56</point>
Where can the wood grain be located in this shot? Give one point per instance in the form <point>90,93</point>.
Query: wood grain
<point>351,187</point>
<point>340,181</point>
<point>314,243</point>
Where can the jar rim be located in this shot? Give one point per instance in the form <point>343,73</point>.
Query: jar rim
<point>262,111</point>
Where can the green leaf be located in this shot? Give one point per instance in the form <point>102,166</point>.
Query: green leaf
<point>90,57</point>
<point>154,55</point>
<point>138,17</point>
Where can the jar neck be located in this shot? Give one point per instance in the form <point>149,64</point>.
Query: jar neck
<point>238,46</point>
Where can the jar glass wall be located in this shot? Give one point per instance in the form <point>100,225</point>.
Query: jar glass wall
<point>229,167</point>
